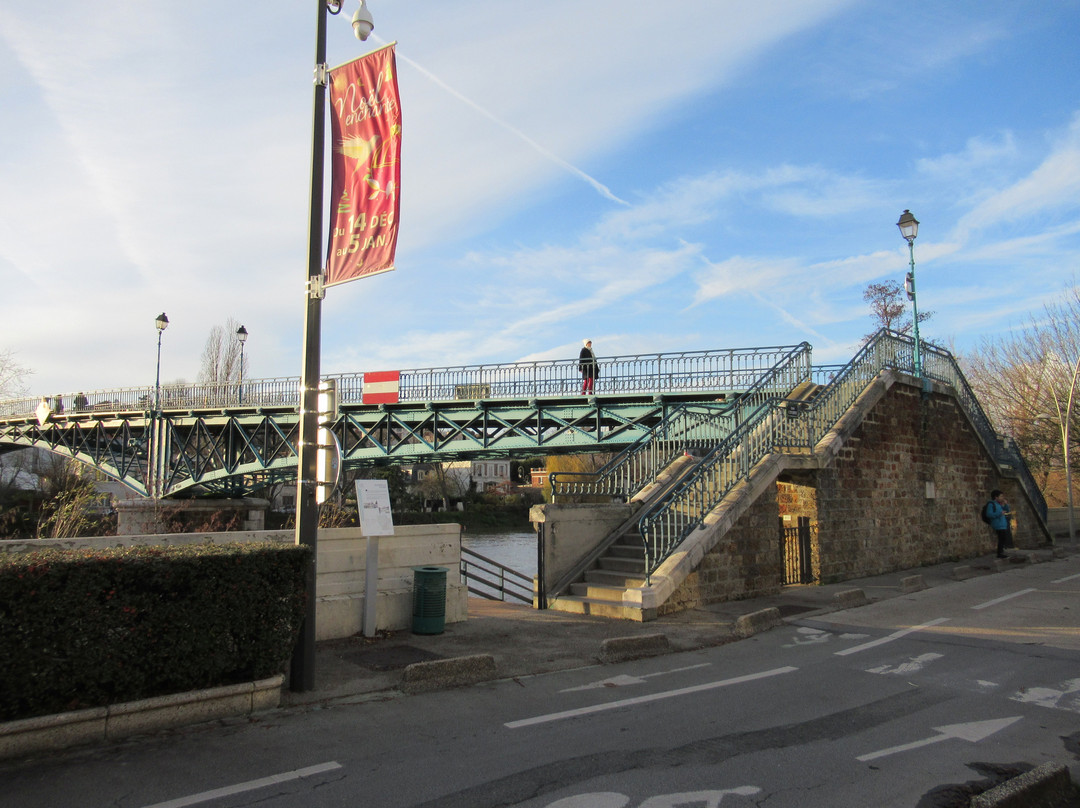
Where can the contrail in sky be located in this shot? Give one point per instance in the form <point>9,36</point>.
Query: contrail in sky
<point>599,186</point>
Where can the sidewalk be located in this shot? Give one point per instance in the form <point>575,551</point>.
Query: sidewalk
<point>503,641</point>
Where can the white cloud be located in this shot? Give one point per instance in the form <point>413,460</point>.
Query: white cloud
<point>1054,185</point>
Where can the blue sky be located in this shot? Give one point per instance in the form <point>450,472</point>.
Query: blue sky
<point>655,177</point>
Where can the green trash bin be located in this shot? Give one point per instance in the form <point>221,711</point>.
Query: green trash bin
<point>429,600</point>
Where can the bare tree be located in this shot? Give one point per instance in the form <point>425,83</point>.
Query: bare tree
<point>1025,381</point>
<point>12,375</point>
<point>888,308</point>
<point>441,481</point>
<point>221,355</point>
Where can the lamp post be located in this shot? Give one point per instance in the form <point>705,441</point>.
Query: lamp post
<point>302,669</point>
<point>241,335</point>
<point>909,229</point>
<point>162,322</point>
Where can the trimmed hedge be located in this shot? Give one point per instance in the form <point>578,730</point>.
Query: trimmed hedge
<point>86,628</point>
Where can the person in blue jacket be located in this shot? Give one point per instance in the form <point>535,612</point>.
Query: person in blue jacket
<point>999,512</point>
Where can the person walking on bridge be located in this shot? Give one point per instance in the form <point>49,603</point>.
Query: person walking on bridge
<point>590,370</point>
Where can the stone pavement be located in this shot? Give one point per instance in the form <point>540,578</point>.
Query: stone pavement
<point>502,641</point>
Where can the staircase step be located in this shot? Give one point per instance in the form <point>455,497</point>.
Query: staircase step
<point>594,606</point>
<point>627,565</point>
<point>626,550</point>
<point>597,591</point>
<point>613,578</point>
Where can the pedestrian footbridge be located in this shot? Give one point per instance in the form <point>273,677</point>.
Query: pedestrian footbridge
<point>233,439</point>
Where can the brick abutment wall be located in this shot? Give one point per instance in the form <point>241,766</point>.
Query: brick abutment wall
<point>904,491</point>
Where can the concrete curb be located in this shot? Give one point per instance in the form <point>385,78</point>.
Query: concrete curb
<point>750,624</point>
<point>912,583</point>
<point>1049,784</point>
<point>850,598</point>
<point>53,732</point>
<point>421,677</point>
<point>620,649</point>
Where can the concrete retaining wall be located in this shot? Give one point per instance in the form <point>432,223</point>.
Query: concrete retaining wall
<point>571,532</point>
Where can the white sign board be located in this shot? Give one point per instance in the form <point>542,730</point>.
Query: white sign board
<point>373,503</point>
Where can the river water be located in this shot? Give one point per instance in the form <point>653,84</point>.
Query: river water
<point>514,550</point>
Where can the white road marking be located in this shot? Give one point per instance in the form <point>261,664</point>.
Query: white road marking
<point>625,680</point>
<point>613,799</point>
<point>914,665</point>
<point>894,636</point>
<point>1066,578</point>
<point>1002,599</point>
<point>974,731</point>
<point>811,636</point>
<point>1064,699</point>
<point>668,694</point>
<point>251,785</point>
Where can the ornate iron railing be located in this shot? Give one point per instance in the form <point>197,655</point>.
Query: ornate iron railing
<point>732,369</point>
<point>779,426</point>
<point>691,427</point>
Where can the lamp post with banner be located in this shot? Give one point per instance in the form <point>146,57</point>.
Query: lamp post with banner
<point>365,154</point>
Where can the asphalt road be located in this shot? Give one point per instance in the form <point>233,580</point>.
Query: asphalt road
<point>916,701</point>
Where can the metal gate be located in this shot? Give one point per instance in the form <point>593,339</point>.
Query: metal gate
<point>795,551</point>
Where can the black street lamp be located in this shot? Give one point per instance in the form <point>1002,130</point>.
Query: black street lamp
<point>302,670</point>
<point>909,229</point>
<point>241,335</point>
<point>162,322</point>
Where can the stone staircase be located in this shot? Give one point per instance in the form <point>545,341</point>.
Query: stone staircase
<point>621,567</point>
<point>601,589</point>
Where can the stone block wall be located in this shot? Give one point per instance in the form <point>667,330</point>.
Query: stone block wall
<point>745,563</point>
<point>906,489</point>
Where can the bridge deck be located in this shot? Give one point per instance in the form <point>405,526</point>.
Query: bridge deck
<point>231,436</point>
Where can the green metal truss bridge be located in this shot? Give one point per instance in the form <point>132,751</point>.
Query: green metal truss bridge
<point>234,438</point>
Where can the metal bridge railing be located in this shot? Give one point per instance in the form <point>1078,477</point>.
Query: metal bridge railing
<point>778,427</point>
<point>687,427</point>
<point>686,371</point>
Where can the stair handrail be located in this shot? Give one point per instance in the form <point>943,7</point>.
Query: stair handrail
<point>687,426</point>
<point>943,366</point>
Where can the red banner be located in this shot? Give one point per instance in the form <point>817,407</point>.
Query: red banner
<point>365,125</point>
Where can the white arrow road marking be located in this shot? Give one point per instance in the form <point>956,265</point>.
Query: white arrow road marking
<point>668,694</point>
<point>711,799</point>
<point>625,680</point>
<point>894,636</point>
<point>974,731</point>
<point>1049,697</point>
<point>1002,599</point>
<point>914,665</point>
<point>251,785</point>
